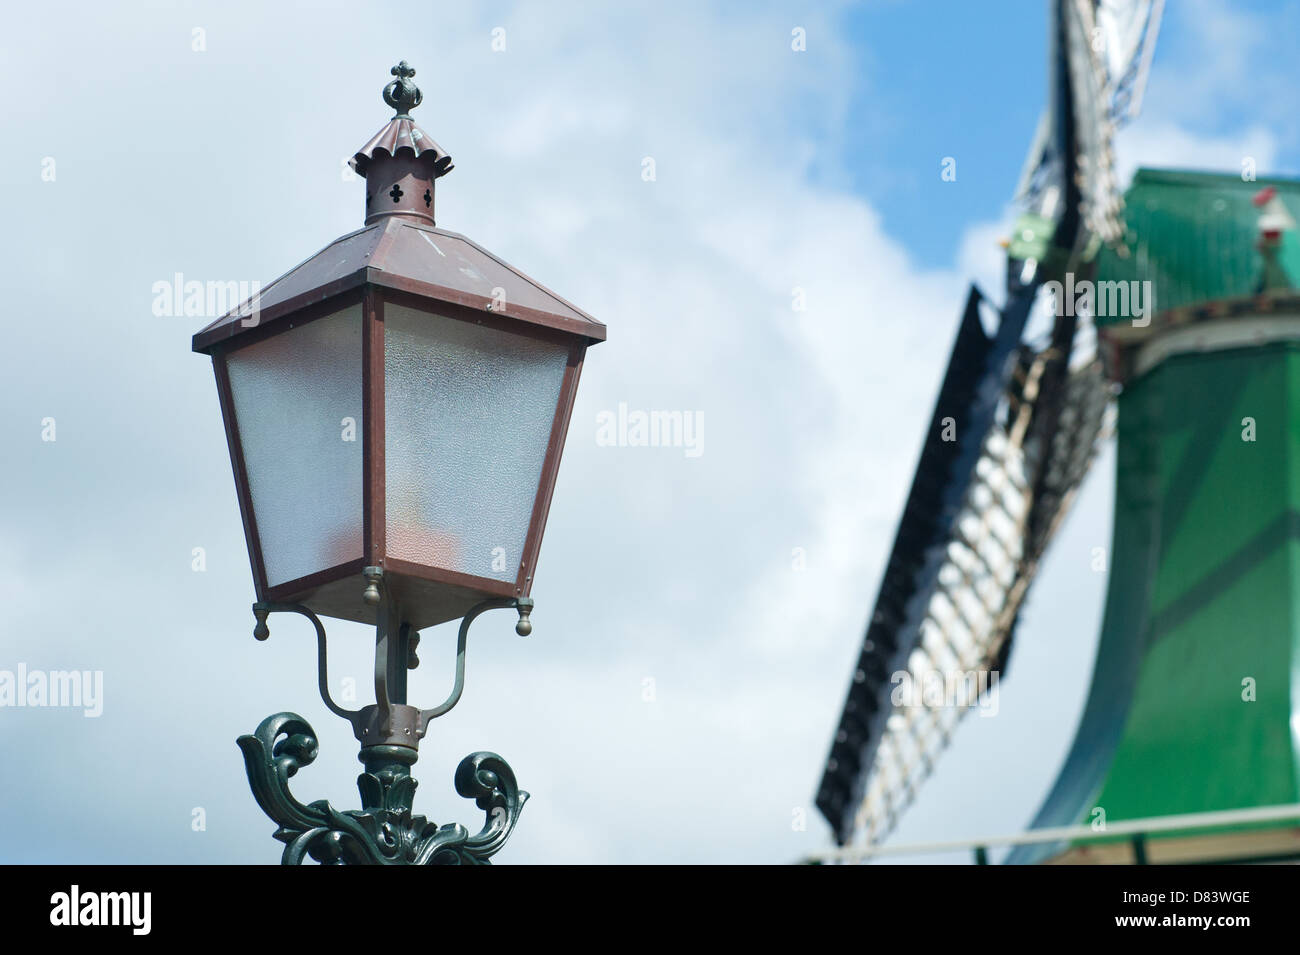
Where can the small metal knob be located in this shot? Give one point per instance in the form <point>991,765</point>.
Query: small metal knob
<point>261,631</point>
<point>373,575</point>
<point>525,607</point>
<point>413,644</point>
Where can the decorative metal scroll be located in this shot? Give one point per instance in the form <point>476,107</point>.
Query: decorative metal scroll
<point>385,831</point>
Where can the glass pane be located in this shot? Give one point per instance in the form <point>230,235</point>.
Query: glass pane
<point>468,413</point>
<point>298,406</point>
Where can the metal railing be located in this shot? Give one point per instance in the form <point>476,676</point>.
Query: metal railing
<point>1137,832</point>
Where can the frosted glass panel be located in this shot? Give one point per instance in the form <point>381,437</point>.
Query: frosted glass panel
<point>292,393</point>
<point>468,415</point>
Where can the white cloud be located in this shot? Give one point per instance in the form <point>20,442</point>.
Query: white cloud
<point>1162,144</point>
<point>654,565</point>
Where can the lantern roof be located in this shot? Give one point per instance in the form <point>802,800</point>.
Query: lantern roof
<point>413,257</point>
<point>401,248</point>
<point>402,133</point>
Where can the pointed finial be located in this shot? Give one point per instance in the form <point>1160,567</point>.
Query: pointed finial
<point>402,94</point>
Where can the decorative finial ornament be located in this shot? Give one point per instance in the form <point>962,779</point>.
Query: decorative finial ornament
<point>401,93</point>
<point>400,164</point>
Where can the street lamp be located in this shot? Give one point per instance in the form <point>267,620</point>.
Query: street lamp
<point>395,409</point>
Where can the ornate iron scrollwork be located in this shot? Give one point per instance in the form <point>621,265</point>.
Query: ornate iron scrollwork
<point>385,831</point>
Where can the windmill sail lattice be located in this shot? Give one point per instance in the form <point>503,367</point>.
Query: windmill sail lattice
<point>1023,422</point>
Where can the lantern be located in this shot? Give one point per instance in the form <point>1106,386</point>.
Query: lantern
<point>396,405</point>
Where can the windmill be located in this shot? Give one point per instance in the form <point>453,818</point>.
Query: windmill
<point>1017,422</point>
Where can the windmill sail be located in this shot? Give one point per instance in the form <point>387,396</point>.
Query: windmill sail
<point>1015,426</point>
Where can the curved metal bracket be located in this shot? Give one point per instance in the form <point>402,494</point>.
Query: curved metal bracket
<point>384,832</point>
<point>524,627</point>
<point>261,632</point>
<point>387,720</point>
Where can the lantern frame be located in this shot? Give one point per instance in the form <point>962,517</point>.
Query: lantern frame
<point>428,594</point>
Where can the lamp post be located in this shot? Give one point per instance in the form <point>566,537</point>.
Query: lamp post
<point>395,409</point>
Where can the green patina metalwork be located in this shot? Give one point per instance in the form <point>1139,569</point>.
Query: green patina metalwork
<point>402,94</point>
<point>385,831</point>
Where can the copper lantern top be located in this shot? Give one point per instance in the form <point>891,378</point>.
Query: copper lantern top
<point>397,404</point>
<point>401,161</point>
<point>399,247</point>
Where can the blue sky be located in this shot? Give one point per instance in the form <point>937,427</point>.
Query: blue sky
<point>776,171</point>
<point>971,86</point>
<point>972,90</point>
